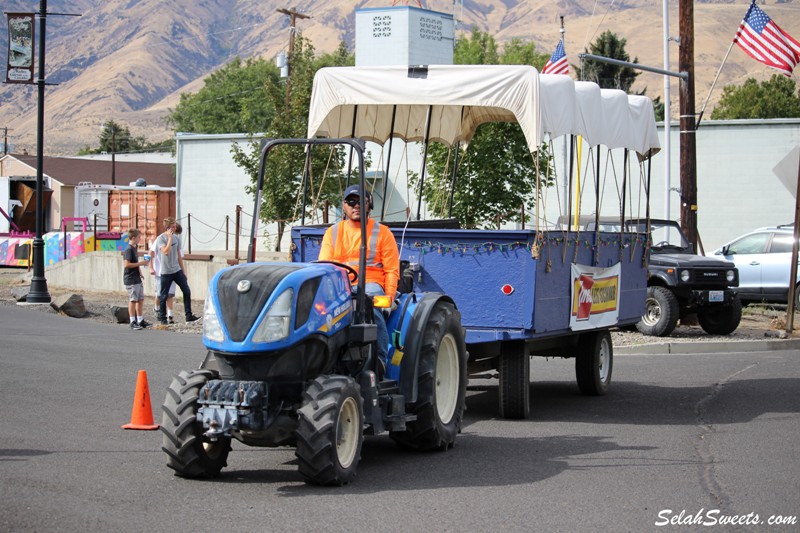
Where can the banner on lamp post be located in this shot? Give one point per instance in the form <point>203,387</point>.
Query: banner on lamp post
<point>20,48</point>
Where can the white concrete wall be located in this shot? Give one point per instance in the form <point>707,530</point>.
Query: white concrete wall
<point>102,271</point>
<point>209,187</point>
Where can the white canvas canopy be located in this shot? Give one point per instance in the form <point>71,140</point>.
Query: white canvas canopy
<point>376,103</point>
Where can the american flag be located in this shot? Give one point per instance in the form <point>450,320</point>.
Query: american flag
<point>764,41</point>
<point>558,61</point>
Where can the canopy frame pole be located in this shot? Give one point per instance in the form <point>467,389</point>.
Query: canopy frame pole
<point>625,164</point>
<point>647,210</point>
<point>597,209</point>
<point>569,193</point>
<point>424,161</point>
<point>388,163</point>
<point>306,179</point>
<point>455,172</point>
<point>350,158</point>
<point>453,180</point>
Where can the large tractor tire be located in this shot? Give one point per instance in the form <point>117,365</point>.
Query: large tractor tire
<point>441,386</point>
<point>515,380</point>
<point>594,363</point>
<point>190,454</point>
<point>661,313</point>
<point>720,319</point>
<point>330,431</point>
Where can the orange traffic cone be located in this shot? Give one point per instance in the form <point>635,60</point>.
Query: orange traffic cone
<point>142,412</point>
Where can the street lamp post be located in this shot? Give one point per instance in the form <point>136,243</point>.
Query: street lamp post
<point>38,292</point>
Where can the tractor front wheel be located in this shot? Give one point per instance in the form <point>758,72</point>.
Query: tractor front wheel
<point>191,455</point>
<point>329,434</point>
<point>441,383</point>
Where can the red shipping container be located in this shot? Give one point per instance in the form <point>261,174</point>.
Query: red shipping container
<point>140,208</point>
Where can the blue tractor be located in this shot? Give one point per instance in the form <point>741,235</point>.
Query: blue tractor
<point>292,361</point>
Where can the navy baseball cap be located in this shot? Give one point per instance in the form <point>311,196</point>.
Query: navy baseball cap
<point>353,190</point>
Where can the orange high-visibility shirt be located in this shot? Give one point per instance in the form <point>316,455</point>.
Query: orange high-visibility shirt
<point>342,241</point>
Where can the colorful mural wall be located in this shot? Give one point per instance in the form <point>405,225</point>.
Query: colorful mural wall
<point>16,250</point>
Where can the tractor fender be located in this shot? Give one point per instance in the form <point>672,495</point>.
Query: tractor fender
<point>412,343</point>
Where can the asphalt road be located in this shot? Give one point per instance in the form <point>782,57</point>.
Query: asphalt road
<point>712,435</point>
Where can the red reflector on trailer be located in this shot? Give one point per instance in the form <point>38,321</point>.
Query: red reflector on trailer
<point>507,289</point>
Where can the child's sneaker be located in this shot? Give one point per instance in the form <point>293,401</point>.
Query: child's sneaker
<point>192,318</point>
<point>144,323</point>
<point>170,320</point>
<point>135,325</point>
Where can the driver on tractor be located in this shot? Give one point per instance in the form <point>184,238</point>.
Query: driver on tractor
<point>341,243</point>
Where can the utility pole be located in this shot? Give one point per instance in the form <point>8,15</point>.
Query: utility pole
<point>688,123</point>
<point>113,155</point>
<point>293,16</point>
<point>5,139</point>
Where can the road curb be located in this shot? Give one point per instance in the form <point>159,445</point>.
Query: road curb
<point>688,348</point>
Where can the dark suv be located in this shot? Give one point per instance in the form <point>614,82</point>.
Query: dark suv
<point>681,283</point>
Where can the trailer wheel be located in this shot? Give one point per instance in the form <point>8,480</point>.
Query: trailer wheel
<point>661,313</point>
<point>190,454</point>
<point>442,384</point>
<point>720,319</point>
<point>329,434</point>
<point>515,381</point>
<point>594,363</point>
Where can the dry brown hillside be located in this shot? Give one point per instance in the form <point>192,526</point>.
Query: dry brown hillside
<point>130,60</point>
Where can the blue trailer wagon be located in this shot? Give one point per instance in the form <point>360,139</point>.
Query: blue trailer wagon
<point>520,292</point>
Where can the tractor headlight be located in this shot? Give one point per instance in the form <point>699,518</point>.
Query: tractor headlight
<point>275,325</point>
<point>684,275</point>
<point>730,275</point>
<point>212,330</point>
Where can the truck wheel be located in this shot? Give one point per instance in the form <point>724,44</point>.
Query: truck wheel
<point>720,319</point>
<point>329,434</point>
<point>515,380</point>
<point>594,363</point>
<point>441,386</point>
<point>661,313</point>
<point>190,454</point>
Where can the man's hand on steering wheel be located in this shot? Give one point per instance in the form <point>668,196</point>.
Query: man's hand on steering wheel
<point>352,273</point>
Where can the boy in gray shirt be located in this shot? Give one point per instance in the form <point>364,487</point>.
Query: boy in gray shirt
<point>168,246</point>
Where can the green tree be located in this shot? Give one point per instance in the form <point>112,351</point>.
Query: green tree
<point>115,138</point>
<point>776,98</point>
<point>283,178</point>
<point>496,173</point>
<point>606,75</point>
<point>235,98</point>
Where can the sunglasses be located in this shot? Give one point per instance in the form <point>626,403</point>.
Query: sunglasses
<point>352,202</point>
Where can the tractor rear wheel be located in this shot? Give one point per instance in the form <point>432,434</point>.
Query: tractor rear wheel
<point>329,434</point>
<point>190,454</point>
<point>441,384</point>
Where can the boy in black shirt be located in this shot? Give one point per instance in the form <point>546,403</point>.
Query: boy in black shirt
<point>132,278</point>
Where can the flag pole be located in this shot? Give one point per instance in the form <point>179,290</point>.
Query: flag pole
<point>735,38</point>
<point>714,83</point>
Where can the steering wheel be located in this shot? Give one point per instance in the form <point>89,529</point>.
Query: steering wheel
<point>662,243</point>
<point>352,273</point>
